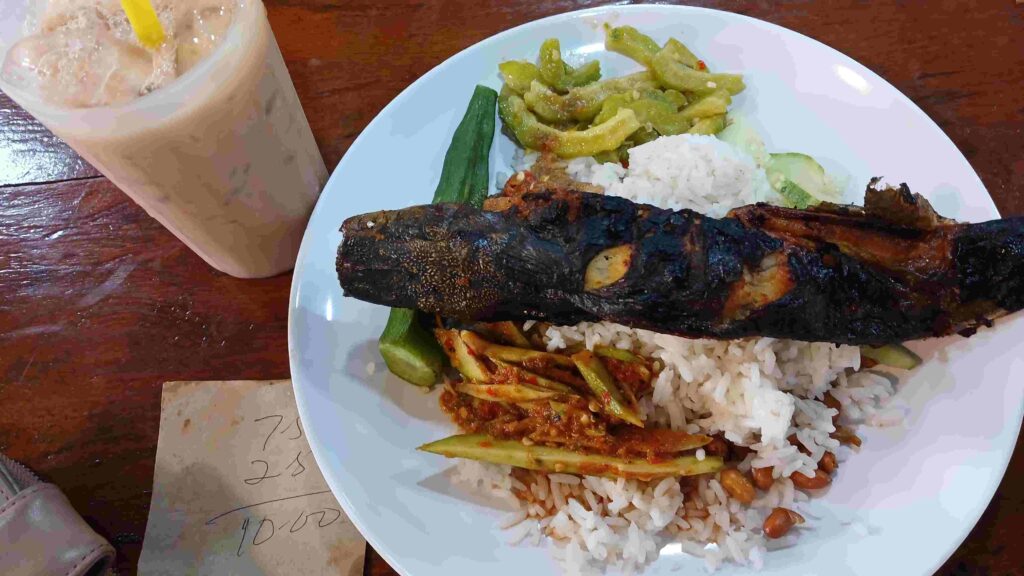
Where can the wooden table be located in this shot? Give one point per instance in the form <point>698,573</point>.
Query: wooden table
<point>99,304</point>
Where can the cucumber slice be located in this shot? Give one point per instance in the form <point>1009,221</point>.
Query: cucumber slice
<point>742,136</point>
<point>800,180</point>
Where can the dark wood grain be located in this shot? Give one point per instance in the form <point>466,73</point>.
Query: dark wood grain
<point>99,305</point>
<point>31,153</point>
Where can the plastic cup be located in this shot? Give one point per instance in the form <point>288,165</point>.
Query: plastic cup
<point>222,156</point>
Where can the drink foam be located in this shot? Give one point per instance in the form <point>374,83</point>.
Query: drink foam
<point>83,53</point>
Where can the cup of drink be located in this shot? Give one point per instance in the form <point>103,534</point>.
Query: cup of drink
<point>204,131</point>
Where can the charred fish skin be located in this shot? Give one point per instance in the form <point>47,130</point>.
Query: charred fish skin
<point>453,260</point>
<point>990,263</point>
<point>834,274</point>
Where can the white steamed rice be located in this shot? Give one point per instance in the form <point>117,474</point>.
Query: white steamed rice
<point>755,391</point>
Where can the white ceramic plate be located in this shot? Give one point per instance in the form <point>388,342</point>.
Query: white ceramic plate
<point>919,487</point>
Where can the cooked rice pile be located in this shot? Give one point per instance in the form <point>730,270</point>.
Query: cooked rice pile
<point>757,392</point>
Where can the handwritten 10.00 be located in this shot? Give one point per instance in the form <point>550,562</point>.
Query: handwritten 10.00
<point>259,532</point>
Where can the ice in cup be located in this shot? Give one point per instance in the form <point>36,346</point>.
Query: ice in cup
<point>205,132</point>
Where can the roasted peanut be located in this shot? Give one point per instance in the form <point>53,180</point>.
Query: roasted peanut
<point>763,478</point>
<point>846,436</point>
<point>799,445</point>
<point>738,452</point>
<point>830,401</point>
<point>828,463</point>
<point>778,523</point>
<point>816,482</point>
<point>737,485</point>
<point>717,447</point>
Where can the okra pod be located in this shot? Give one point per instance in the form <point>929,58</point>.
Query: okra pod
<point>406,345</point>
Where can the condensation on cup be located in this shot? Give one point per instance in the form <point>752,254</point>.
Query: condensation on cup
<point>206,133</point>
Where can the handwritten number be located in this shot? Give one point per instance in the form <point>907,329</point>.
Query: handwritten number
<point>326,511</point>
<point>266,529</point>
<point>323,522</point>
<point>257,479</point>
<point>276,426</point>
<point>256,536</point>
<point>301,467</point>
<point>302,516</point>
<point>245,527</point>
<point>213,520</point>
<point>298,429</point>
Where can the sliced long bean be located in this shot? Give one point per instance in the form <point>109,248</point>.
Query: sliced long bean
<point>462,358</point>
<point>548,459</point>
<point>514,393</point>
<point>523,356</point>
<point>604,387</point>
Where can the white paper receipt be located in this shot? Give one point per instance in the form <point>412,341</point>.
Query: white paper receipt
<point>236,489</point>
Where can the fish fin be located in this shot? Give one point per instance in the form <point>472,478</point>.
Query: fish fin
<point>901,207</point>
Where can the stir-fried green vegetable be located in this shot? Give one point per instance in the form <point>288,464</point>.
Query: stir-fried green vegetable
<point>561,76</point>
<point>631,43</point>
<point>669,68</point>
<point>584,103</point>
<point>552,107</point>
<point>406,345</point>
<point>519,74</point>
<point>710,125</point>
<point>531,133</point>
<point>548,459</point>
<point>681,53</point>
<point>652,108</point>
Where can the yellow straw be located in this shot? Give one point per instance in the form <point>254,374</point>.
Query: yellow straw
<point>142,17</point>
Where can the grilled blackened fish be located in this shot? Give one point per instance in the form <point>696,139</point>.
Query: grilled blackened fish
<point>890,271</point>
